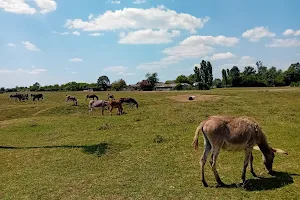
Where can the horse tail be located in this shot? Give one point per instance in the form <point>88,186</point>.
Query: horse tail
<point>197,133</point>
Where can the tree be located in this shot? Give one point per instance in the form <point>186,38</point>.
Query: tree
<point>235,76</point>
<point>103,82</point>
<point>35,87</point>
<point>292,74</point>
<point>209,73</point>
<point>152,78</point>
<point>218,83</point>
<point>2,89</point>
<point>145,85</point>
<point>224,76</point>
<point>118,85</point>
<point>182,79</point>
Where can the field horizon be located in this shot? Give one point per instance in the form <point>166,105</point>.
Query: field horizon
<point>53,150</point>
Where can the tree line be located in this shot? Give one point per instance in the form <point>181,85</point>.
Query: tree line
<point>201,78</point>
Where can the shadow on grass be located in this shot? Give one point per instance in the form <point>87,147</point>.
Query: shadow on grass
<point>96,149</point>
<point>278,180</point>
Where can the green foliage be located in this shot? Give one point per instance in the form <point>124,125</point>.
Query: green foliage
<point>152,78</point>
<point>103,82</point>
<point>145,85</point>
<point>203,75</point>
<point>218,83</point>
<point>35,87</point>
<point>118,85</point>
<point>182,79</point>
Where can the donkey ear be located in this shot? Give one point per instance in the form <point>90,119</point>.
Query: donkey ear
<point>256,148</point>
<point>279,151</point>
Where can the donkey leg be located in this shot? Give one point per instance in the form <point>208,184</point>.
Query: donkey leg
<point>251,165</point>
<point>206,151</point>
<point>215,152</point>
<point>246,161</point>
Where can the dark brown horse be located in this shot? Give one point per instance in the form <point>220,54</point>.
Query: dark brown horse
<point>91,96</point>
<point>37,96</point>
<point>129,101</point>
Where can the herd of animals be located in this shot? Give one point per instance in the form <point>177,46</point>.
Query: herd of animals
<point>111,103</point>
<point>219,132</point>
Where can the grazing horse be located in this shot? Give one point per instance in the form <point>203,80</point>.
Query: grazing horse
<point>110,96</point>
<point>71,98</point>
<point>129,101</point>
<point>91,96</point>
<point>98,104</point>
<point>16,96</point>
<point>37,96</point>
<point>115,104</point>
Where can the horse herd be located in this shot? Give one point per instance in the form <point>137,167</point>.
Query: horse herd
<point>23,97</point>
<point>111,103</point>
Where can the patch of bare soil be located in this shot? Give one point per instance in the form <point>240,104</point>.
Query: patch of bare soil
<point>198,97</point>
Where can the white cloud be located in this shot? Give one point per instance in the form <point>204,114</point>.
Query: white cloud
<point>138,18</point>
<point>16,6</point>
<point>37,71</point>
<point>46,5</point>
<point>148,36</point>
<point>63,33</point>
<point>113,1</point>
<point>139,1</point>
<point>76,33</point>
<point>257,33</point>
<point>95,34</point>
<point>30,46</point>
<point>284,43</point>
<point>115,69</point>
<point>75,60</point>
<point>193,47</point>
<point>126,73</point>
<point>291,32</point>
<point>210,40</point>
<point>11,45</point>
<point>21,7</point>
<point>22,71</point>
<point>222,56</point>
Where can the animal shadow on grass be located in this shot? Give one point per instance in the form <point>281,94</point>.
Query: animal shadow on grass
<point>278,180</point>
<point>96,149</point>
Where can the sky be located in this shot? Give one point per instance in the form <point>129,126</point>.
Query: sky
<point>58,41</point>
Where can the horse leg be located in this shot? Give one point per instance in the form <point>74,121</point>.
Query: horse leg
<point>251,166</point>
<point>246,161</point>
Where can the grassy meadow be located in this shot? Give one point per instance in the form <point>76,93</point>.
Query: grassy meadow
<point>53,150</point>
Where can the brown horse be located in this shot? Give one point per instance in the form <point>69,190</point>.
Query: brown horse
<point>115,104</point>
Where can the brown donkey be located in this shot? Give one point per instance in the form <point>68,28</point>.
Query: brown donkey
<point>233,134</point>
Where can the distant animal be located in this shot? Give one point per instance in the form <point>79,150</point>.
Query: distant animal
<point>129,101</point>
<point>71,98</point>
<point>110,96</point>
<point>98,104</point>
<point>16,97</point>
<point>37,96</point>
<point>115,104</point>
<point>91,96</point>
<point>233,134</point>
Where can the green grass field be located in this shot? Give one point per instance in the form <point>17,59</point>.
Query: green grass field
<point>52,150</point>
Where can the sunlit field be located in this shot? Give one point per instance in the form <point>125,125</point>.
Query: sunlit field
<point>53,150</point>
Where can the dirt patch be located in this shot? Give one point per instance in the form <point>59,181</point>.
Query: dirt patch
<point>198,97</point>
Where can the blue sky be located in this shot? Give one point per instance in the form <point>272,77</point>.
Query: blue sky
<point>57,41</point>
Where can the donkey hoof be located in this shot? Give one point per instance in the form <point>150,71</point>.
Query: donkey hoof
<point>221,184</point>
<point>204,184</point>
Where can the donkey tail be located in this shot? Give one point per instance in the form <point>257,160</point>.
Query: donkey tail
<point>197,133</point>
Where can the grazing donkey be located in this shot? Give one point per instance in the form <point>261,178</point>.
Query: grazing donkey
<point>129,101</point>
<point>233,134</point>
<point>98,104</point>
<point>91,96</point>
<point>37,96</point>
<point>71,98</point>
<point>16,96</point>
